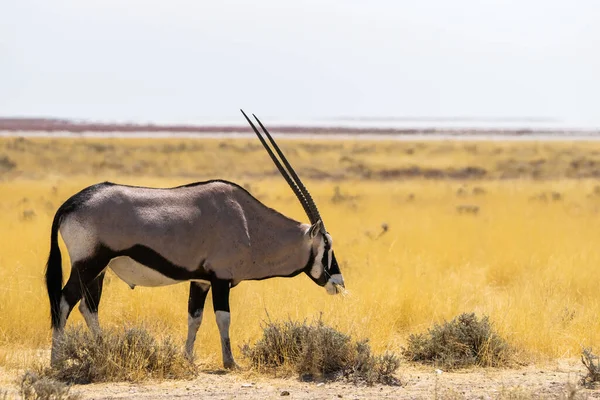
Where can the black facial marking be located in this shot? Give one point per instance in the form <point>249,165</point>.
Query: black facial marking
<point>334,269</point>
<point>325,259</point>
<point>311,261</point>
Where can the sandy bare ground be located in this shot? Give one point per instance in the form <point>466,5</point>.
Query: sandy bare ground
<point>553,381</point>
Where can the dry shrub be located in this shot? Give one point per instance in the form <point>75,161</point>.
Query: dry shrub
<point>319,351</point>
<point>6,164</point>
<point>370,368</point>
<point>592,364</point>
<point>32,386</point>
<point>465,341</point>
<point>128,354</point>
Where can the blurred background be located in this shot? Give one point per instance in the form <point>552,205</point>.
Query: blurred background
<point>393,63</point>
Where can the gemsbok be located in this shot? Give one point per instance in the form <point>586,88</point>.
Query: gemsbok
<point>212,234</point>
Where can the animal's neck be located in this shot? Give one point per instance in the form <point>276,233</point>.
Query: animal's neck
<point>289,251</point>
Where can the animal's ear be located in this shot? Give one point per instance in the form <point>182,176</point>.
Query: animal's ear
<point>315,228</point>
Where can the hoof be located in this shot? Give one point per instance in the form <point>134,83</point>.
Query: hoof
<point>231,365</point>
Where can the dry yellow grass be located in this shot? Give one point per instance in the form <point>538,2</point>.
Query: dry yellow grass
<point>528,258</point>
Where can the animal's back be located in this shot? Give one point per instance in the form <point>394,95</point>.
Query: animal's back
<point>168,220</point>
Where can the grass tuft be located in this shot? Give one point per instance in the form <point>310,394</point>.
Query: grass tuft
<point>463,342</point>
<point>592,364</point>
<point>128,354</point>
<point>318,351</point>
<point>33,386</point>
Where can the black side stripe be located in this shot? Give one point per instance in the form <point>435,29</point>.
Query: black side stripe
<point>154,260</point>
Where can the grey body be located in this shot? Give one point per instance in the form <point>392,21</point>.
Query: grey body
<point>247,240</point>
<point>212,234</point>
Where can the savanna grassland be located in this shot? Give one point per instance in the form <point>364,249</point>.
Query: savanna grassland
<point>423,231</point>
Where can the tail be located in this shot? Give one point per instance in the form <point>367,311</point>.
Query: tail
<point>54,279</point>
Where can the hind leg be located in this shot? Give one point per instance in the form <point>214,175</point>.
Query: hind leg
<point>83,273</point>
<point>88,306</point>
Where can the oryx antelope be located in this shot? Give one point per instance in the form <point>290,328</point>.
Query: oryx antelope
<point>213,234</point>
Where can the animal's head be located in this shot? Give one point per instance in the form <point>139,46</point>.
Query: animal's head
<point>322,267</point>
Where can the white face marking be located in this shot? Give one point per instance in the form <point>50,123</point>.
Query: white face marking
<point>80,241</point>
<point>336,279</point>
<point>330,252</point>
<point>317,267</point>
<point>136,274</point>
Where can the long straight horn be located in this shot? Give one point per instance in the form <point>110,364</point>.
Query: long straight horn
<point>315,216</point>
<point>282,170</point>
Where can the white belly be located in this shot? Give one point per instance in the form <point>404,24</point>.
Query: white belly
<point>136,274</point>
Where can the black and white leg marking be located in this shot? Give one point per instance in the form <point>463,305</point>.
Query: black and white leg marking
<point>88,306</point>
<point>83,274</point>
<point>220,295</point>
<point>198,293</point>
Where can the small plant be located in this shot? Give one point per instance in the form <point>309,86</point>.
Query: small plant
<point>373,368</point>
<point>464,341</point>
<point>592,364</point>
<point>6,164</point>
<point>130,354</point>
<point>319,351</point>
<point>35,387</point>
<point>339,197</point>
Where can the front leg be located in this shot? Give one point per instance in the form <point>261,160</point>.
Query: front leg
<point>198,293</point>
<point>220,295</point>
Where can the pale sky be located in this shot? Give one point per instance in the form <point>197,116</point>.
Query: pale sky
<point>185,60</point>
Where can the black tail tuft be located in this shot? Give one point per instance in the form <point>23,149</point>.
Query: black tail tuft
<point>54,278</point>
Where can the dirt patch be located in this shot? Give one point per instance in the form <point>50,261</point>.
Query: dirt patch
<point>551,381</point>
